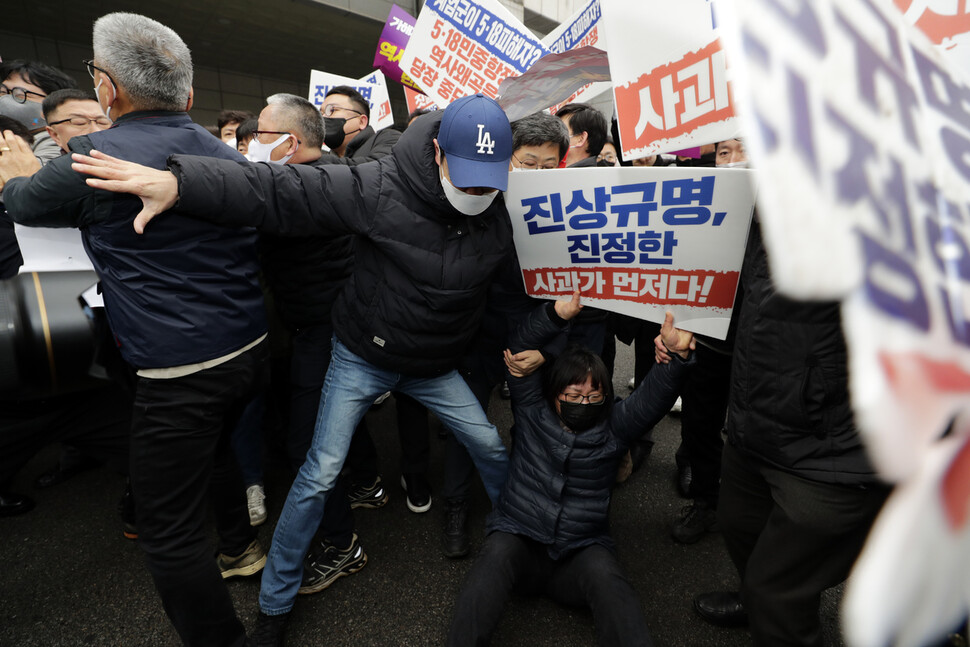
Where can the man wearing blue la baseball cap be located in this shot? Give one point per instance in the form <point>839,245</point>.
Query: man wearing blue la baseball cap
<point>432,233</point>
<point>477,139</point>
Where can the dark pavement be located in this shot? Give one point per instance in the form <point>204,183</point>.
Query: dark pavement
<point>68,577</point>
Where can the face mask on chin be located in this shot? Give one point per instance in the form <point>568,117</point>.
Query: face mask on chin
<point>333,132</point>
<point>260,152</point>
<point>470,205</point>
<point>580,417</point>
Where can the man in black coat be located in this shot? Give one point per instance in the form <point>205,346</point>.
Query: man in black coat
<point>798,493</point>
<point>432,230</point>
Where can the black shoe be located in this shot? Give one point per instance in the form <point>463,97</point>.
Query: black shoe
<point>503,391</point>
<point>722,608</point>
<point>684,478</point>
<point>640,452</point>
<point>418,490</point>
<point>268,631</point>
<point>695,521</point>
<point>12,504</point>
<point>367,494</point>
<point>69,465</point>
<point>326,564</point>
<point>455,540</point>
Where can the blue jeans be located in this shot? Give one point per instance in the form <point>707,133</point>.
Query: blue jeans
<point>348,392</point>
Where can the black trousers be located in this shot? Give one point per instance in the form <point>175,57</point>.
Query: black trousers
<point>181,460</point>
<point>705,399</point>
<point>790,539</point>
<point>590,577</point>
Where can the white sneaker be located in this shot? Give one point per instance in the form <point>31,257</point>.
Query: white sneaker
<point>632,383</point>
<point>678,406</point>
<point>257,509</point>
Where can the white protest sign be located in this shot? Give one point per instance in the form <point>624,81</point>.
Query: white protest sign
<point>372,87</point>
<point>638,241</point>
<point>51,250</point>
<point>861,138</point>
<point>670,80</point>
<point>463,47</point>
<point>946,23</point>
<point>583,29</point>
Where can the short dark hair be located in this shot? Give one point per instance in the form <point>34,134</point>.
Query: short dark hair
<point>246,129</point>
<point>417,112</point>
<point>56,99</point>
<point>573,367</point>
<point>540,128</point>
<point>18,129</point>
<point>47,78</point>
<point>585,118</point>
<point>229,116</point>
<point>355,97</point>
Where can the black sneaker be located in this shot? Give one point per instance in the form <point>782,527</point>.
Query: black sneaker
<point>455,539</point>
<point>268,631</point>
<point>326,564</point>
<point>418,490</point>
<point>695,521</point>
<point>367,495</point>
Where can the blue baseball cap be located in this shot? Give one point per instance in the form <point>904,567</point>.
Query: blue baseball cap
<point>477,139</point>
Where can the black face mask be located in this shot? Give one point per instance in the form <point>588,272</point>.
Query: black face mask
<point>580,417</point>
<point>333,132</point>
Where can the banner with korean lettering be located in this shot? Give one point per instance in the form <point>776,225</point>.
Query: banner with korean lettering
<point>860,132</point>
<point>582,29</point>
<point>670,80</point>
<point>638,241</point>
<point>463,47</point>
<point>372,87</point>
<point>946,23</point>
<point>418,101</point>
<point>390,46</point>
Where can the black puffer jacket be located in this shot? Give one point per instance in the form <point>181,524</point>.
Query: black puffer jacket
<point>306,274</point>
<point>559,484</point>
<point>421,269</point>
<point>789,403</point>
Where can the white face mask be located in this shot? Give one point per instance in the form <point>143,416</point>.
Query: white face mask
<point>470,205</point>
<point>743,164</point>
<point>260,152</point>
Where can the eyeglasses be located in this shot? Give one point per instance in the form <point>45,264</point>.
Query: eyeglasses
<point>80,121</point>
<point>576,398</point>
<point>533,165</point>
<point>257,135</point>
<point>328,110</point>
<point>91,68</point>
<point>18,93</point>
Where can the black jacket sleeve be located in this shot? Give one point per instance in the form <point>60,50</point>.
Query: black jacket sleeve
<point>287,200</point>
<point>651,400</point>
<point>55,196</point>
<point>538,328</point>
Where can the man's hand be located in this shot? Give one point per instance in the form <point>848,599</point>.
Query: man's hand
<point>524,363</point>
<point>672,340</point>
<point>16,158</point>
<point>158,190</point>
<point>569,309</point>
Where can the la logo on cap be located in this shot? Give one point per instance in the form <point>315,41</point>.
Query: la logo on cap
<point>484,143</point>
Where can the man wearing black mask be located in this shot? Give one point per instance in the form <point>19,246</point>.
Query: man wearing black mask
<point>346,116</point>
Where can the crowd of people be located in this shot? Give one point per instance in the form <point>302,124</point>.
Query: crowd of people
<point>287,271</point>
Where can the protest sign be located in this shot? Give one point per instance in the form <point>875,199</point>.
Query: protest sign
<point>861,137</point>
<point>390,46</point>
<point>372,87</point>
<point>463,47</point>
<point>552,81</point>
<point>670,80</point>
<point>418,101</point>
<point>583,29</point>
<point>946,24</point>
<point>51,250</point>
<point>638,241</point>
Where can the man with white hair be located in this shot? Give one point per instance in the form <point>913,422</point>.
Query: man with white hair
<point>197,345</point>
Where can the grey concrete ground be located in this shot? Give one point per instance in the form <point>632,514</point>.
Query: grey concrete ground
<point>68,577</point>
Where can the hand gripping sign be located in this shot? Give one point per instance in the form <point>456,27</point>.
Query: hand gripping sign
<point>861,136</point>
<point>638,241</point>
